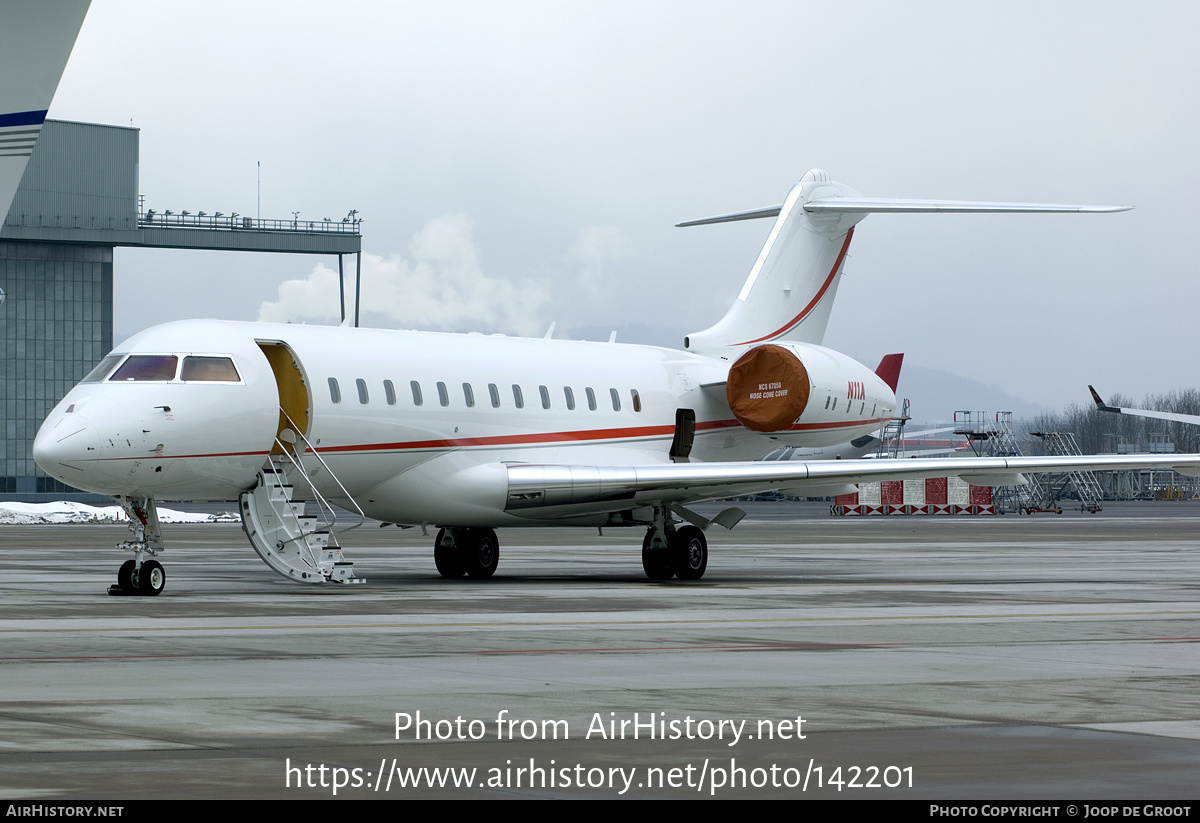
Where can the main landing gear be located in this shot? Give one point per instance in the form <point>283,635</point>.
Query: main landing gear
<point>473,552</point>
<point>668,550</point>
<point>673,552</point>
<point>140,576</point>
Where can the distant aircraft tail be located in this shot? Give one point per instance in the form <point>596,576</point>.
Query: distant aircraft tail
<point>1100,404</point>
<point>791,287</point>
<point>889,370</point>
<point>35,41</point>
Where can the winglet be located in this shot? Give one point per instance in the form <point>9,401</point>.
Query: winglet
<point>889,369</point>
<point>1100,404</point>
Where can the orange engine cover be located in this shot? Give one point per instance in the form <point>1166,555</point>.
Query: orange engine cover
<point>767,388</point>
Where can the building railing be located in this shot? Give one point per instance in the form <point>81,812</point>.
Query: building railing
<point>237,222</point>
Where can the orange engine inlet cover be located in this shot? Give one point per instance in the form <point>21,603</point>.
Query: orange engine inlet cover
<point>767,388</point>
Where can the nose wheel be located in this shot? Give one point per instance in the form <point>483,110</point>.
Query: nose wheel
<point>140,577</point>
<point>148,581</point>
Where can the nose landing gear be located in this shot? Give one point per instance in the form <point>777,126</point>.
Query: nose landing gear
<point>140,577</point>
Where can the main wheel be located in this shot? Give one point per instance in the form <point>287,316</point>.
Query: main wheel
<point>689,553</point>
<point>445,556</point>
<point>656,562</point>
<point>481,553</point>
<point>125,577</point>
<point>151,579</point>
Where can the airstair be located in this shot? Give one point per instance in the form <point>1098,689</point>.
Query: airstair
<point>297,545</point>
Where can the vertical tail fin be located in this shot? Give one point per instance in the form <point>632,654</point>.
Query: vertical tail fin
<point>35,41</point>
<point>790,290</point>
<point>888,370</point>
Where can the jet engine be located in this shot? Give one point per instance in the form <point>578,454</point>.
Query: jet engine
<point>767,388</point>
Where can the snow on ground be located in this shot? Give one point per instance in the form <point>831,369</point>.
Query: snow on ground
<point>68,512</point>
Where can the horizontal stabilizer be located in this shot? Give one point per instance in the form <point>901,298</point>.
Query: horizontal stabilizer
<point>873,205</point>
<point>884,205</point>
<point>773,211</point>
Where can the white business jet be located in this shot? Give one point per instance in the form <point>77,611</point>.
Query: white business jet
<point>467,432</point>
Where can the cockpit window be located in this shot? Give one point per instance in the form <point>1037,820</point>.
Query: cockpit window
<point>103,368</point>
<point>210,368</point>
<point>147,367</point>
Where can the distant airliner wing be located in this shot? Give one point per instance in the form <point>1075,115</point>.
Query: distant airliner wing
<point>1157,415</point>
<point>580,489</point>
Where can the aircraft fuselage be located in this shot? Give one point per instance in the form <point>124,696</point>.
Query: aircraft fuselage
<point>406,419</point>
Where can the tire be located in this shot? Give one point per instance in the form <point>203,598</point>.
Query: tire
<point>445,557</point>
<point>689,553</point>
<point>481,554</point>
<point>125,577</point>
<point>656,562</point>
<point>151,579</point>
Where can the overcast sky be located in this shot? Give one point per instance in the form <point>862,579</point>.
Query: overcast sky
<point>522,163</point>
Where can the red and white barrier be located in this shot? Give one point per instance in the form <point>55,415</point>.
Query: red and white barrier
<point>934,495</point>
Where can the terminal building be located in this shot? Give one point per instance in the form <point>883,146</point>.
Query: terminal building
<point>76,202</point>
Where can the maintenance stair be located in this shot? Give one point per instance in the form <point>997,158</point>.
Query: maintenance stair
<point>1086,487</point>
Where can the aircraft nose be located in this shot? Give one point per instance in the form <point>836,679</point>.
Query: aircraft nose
<point>62,443</point>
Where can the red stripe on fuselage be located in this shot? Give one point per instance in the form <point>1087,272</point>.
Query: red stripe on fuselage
<point>539,437</point>
<point>526,439</point>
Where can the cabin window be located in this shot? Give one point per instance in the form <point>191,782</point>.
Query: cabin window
<point>103,368</point>
<point>389,392</point>
<point>335,393</point>
<point>494,392</point>
<point>362,391</point>
<point>443,394</point>
<point>570,395</point>
<point>469,395</point>
<point>616,398</point>
<point>518,398</point>
<point>637,400</point>
<point>874,409</point>
<point>416,390</point>
<point>591,397</point>
<point>834,406</point>
<point>827,398</point>
<point>148,367</point>
<point>214,369</point>
<point>545,393</point>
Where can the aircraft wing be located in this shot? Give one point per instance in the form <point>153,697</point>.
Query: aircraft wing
<point>1157,415</point>
<point>586,489</point>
